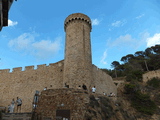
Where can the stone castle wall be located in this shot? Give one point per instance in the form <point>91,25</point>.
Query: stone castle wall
<point>78,62</point>
<point>103,82</point>
<point>151,74</point>
<point>74,71</point>
<point>62,99</point>
<point>23,84</point>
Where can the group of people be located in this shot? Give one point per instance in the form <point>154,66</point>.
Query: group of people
<point>112,94</point>
<point>11,107</point>
<point>85,88</point>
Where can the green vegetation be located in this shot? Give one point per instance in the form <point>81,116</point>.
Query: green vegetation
<point>93,102</point>
<point>106,108</point>
<point>154,82</point>
<point>101,106</point>
<point>141,102</point>
<point>134,76</point>
<point>130,88</point>
<point>133,65</point>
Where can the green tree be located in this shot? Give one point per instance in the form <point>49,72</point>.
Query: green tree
<point>115,64</point>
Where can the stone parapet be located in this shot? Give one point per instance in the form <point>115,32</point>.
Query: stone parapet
<point>24,84</point>
<point>54,100</point>
<point>77,17</point>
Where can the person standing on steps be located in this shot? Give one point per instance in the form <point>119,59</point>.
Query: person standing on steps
<point>93,89</point>
<point>9,109</point>
<point>19,103</point>
<point>12,106</point>
<point>84,87</point>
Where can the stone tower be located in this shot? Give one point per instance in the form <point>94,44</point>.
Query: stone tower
<point>78,59</point>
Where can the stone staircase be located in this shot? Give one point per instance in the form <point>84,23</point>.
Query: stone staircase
<point>16,116</point>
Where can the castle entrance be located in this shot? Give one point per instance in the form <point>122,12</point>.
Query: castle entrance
<point>63,115</point>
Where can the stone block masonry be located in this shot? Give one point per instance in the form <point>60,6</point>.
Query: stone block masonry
<point>78,61</point>
<point>16,116</point>
<point>67,99</point>
<point>103,81</point>
<point>23,84</point>
<point>74,71</point>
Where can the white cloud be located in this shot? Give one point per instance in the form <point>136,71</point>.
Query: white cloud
<point>155,39</point>
<point>123,40</point>
<point>138,17</point>
<point>22,42</point>
<point>95,21</point>
<point>40,49</point>
<point>46,48</point>
<point>124,43</point>
<point>12,23</point>
<point>103,59</point>
<point>118,23</point>
<point>128,42</point>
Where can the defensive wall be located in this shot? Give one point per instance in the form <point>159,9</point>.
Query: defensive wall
<point>103,81</point>
<point>67,103</point>
<point>78,60</point>
<point>74,71</point>
<point>151,74</point>
<point>24,84</point>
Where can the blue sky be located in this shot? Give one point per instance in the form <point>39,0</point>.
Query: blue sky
<point>35,34</point>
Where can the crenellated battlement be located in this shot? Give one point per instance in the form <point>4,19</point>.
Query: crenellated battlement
<point>32,67</point>
<point>5,71</point>
<point>43,66</point>
<point>77,17</point>
<point>59,63</point>
<point>17,69</point>
<point>73,72</point>
<point>29,79</point>
<point>29,68</point>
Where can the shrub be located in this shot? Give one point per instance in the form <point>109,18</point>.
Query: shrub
<point>134,76</point>
<point>106,108</point>
<point>129,88</point>
<point>93,102</point>
<point>143,103</point>
<point>154,82</point>
<point>129,78</point>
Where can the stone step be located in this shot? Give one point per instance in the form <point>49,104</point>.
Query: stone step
<point>16,116</point>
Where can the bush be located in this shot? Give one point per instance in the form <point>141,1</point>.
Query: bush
<point>143,103</point>
<point>129,78</point>
<point>129,88</point>
<point>154,82</point>
<point>134,76</point>
<point>93,102</point>
<point>106,108</point>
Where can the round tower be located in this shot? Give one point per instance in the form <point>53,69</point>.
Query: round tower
<point>78,59</point>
